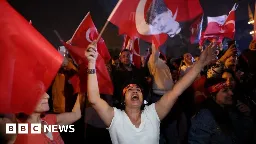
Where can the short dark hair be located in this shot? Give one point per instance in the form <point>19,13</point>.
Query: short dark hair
<point>115,57</point>
<point>156,7</point>
<point>125,50</point>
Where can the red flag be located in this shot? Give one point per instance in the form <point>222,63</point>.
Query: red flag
<point>153,20</point>
<point>75,81</point>
<point>214,25</point>
<point>228,29</point>
<point>86,33</point>
<point>28,63</point>
<point>195,29</point>
<point>202,39</point>
<point>222,25</point>
<point>104,80</point>
<point>133,45</point>
<point>126,42</point>
<point>136,53</point>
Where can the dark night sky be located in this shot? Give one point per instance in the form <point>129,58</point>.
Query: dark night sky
<point>65,16</point>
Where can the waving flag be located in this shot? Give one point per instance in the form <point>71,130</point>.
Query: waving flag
<point>28,63</point>
<point>222,25</point>
<point>153,20</point>
<point>133,45</point>
<point>84,35</point>
<point>196,28</point>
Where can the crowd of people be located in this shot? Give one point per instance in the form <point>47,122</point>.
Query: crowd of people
<point>194,100</point>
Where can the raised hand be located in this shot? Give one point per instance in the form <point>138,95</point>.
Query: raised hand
<point>91,53</point>
<point>208,55</point>
<point>230,52</point>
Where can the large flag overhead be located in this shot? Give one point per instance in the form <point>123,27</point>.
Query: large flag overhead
<point>28,63</point>
<point>84,35</point>
<point>222,25</point>
<point>153,20</point>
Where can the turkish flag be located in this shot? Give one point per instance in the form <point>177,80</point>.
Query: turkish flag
<point>214,25</point>
<point>133,45</point>
<point>104,80</point>
<point>126,43</point>
<point>153,20</point>
<point>28,63</point>
<point>222,25</point>
<point>84,35</point>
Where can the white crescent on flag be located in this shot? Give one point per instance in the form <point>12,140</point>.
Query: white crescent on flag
<point>135,53</point>
<point>87,36</point>
<point>231,22</point>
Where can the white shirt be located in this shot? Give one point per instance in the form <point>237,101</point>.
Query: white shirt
<point>162,81</point>
<point>122,131</point>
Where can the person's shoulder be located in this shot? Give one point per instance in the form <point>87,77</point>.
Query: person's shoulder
<point>204,116</point>
<point>118,112</point>
<point>50,118</point>
<point>150,110</point>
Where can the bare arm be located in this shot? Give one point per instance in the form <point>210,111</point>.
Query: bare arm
<point>70,117</point>
<point>155,54</point>
<point>105,112</point>
<point>164,105</point>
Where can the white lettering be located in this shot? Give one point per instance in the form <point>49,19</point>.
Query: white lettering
<point>10,128</point>
<point>36,128</point>
<point>54,128</point>
<point>71,127</point>
<point>47,128</point>
<point>63,128</point>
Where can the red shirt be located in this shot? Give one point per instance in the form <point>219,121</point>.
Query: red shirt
<point>29,138</point>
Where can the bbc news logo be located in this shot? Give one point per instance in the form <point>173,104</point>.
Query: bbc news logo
<point>36,128</point>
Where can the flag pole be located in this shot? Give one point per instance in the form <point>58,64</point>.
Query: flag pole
<point>58,35</point>
<point>102,30</point>
<point>62,41</point>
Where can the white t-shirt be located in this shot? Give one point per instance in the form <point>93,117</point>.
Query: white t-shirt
<point>162,76</point>
<point>122,131</point>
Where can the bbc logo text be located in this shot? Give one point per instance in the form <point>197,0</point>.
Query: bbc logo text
<point>36,128</point>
